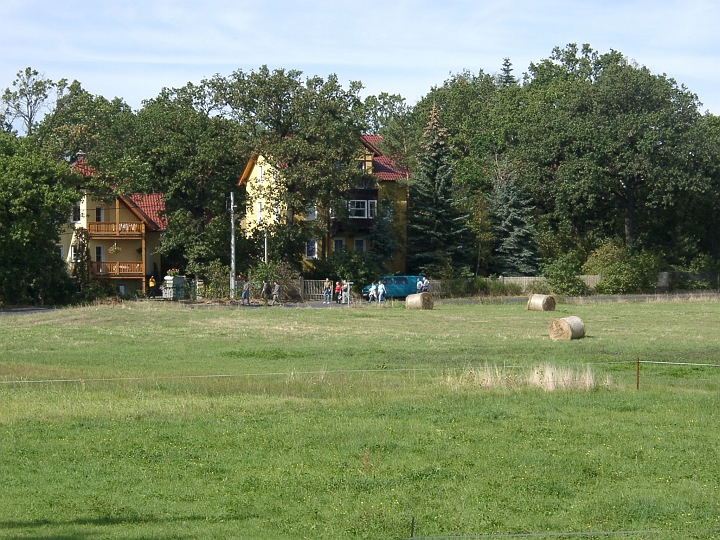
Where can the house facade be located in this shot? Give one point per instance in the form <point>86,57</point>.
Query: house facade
<point>123,236</point>
<point>386,192</point>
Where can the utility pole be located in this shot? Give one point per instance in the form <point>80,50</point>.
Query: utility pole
<point>232,246</point>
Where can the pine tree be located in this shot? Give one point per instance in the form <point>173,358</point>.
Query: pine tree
<point>515,252</point>
<point>436,226</point>
<point>506,78</point>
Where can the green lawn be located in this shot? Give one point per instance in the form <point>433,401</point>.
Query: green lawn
<point>159,421</point>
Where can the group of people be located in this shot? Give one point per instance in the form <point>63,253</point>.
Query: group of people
<point>340,293</point>
<point>377,292</point>
<point>269,293</point>
<point>423,284</point>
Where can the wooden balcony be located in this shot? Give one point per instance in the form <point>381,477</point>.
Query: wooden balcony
<point>114,228</point>
<point>119,269</point>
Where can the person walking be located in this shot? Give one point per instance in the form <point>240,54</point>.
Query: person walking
<point>381,291</point>
<point>372,295</point>
<point>265,293</point>
<point>338,292</point>
<point>276,293</point>
<point>327,291</point>
<point>245,296</point>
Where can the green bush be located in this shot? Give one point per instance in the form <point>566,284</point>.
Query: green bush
<point>493,287</point>
<point>283,273</point>
<point>562,276</point>
<point>623,273</point>
<point>217,280</point>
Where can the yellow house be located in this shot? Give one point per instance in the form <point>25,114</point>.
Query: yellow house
<point>124,234</point>
<point>363,202</point>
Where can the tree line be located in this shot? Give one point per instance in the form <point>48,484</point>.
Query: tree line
<point>587,159</point>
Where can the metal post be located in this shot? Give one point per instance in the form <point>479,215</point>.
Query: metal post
<point>232,245</point>
<point>637,374</point>
<point>266,258</point>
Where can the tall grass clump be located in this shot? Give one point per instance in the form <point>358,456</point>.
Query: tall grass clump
<point>546,376</point>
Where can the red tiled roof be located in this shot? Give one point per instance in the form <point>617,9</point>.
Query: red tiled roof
<point>383,167</point>
<point>82,167</point>
<point>152,206</point>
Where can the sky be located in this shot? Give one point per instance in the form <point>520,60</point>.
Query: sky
<point>132,49</point>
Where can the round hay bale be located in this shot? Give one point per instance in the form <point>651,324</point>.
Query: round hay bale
<point>567,328</point>
<point>419,301</point>
<point>541,302</point>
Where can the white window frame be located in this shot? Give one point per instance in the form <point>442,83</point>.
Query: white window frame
<point>74,255</point>
<point>76,212</point>
<point>311,249</point>
<point>258,216</point>
<point>372,208</point>
<point>362,243</point>
<point>311,213</point>
<point>60,249</point>
<point>341,241</point>
<point>260,174</point>
<point>357,209</point>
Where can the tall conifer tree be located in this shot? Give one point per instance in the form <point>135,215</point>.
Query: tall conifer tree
<point>436,226</point>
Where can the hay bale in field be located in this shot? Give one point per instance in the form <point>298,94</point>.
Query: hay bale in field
<point>419,301</point>
<point>567,328</point>
<point>541,302</point>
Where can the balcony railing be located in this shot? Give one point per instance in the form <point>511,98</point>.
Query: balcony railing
<point>122,228</point>
<point>118,268</point>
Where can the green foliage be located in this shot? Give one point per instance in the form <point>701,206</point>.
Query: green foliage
<point>562,276</point>
<point>436,224</point>
<point>493,287</point>
<point>30,94</point>
<point>622,272</point>
<point>217,280</point>
<point>513,228</point>
<point>283,273</point>
<point>36,195</point>
<point>359,267</point>
<point>384,243</point>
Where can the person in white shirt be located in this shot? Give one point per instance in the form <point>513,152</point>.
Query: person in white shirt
<point>381,291</point>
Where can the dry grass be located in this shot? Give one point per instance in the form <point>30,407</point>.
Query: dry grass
<point>547,377</point>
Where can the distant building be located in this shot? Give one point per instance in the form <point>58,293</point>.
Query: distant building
<point>363,203</point>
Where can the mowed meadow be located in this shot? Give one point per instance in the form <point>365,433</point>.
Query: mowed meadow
<point>150,420</point>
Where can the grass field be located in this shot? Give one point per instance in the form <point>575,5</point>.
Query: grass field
<point>155,421</point>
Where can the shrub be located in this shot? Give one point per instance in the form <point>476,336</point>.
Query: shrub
<point>217,280</point>
<point>562,276</point>
<point>283,273</point>
<point>493,287</point>
<point>621,272</point>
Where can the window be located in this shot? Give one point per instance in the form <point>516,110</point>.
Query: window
<point>311,213</point>
<point>276,212</point>
<point>60,250</point>
<point>76,214</point>
<point>98,253</point>
<point>260,174</point>
<point>357,209</point>
<point>372,209</point>
<point>359,245</point>
<point>99,213</point>
<point>258,217</point>
<point>311,249</point>
<point>338,244</point>
<point>74,254</point>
